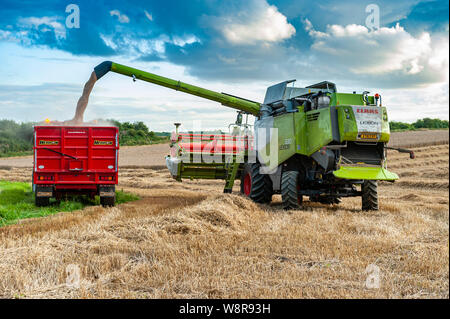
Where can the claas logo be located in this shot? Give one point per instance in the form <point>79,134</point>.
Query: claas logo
<point>373,111</point>
<point>97,142</point>
<point>42,142</point>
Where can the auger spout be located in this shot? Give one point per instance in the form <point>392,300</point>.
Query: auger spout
<point>225,99</point>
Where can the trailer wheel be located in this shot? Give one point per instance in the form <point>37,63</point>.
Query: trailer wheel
<point>108,201</point>
<point>41,201</point>
<point>290,187</point>
<point>369,195</point>
<point>255,185</point>
<point>109,196</point>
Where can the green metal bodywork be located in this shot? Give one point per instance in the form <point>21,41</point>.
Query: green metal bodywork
<point>347,127</point>
<point>318,131</point>
<point>365,173</point>
<point>305,133</point>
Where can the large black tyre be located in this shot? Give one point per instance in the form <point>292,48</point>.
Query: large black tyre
<point>369,195</point>
<point>108,201</point>
<point>261,188</point>
<point>290,190</point>
<point>109,196</point>
<point>41,201</point>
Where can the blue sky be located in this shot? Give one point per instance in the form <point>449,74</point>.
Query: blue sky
<point>238,47</point>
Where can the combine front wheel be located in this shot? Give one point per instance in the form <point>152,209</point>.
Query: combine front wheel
<point>290,187</point>
<point>255,185</point>
<point>369,195</point>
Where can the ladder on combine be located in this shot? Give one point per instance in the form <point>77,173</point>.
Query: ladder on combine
<point>232,168</point>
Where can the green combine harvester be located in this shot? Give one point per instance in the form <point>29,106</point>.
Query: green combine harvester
<point>311,141</point>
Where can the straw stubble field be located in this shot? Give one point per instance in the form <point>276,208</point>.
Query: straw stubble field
<point>188,240</point>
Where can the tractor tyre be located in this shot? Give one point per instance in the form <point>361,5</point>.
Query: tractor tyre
<point>369,195</point>
<point>255,185</point>
<point>290,187</point>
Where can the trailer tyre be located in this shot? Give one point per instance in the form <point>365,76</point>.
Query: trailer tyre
<point>109,198</point>
<point>290,187</point>
<point>42,201</point>
<point>108,201</point>
<point>369,195</point>
<point>255,185</point>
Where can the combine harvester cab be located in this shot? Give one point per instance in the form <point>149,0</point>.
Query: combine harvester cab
<point>75,160</point>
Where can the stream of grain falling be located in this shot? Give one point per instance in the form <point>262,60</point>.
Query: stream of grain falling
<point>83,100</point>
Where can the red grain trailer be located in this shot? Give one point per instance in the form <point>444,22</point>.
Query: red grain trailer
<point>75,160</point>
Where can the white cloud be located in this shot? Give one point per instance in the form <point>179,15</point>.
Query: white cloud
<point>122,17</point>
<point>4,34</point>
<point>263,24</point>
<point>58,28</point>
<point>148,15</point>
<point>408,105</point>
<point>108,41</point>
<point>382,51</point>
<point>141,47</point>
<point>182,41</point>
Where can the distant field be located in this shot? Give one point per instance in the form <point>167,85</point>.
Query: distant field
<point>419,138</point>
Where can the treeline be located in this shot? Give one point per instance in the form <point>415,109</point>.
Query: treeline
<point>137,133</point>
<point>16,139</point>
<point>426,123</point>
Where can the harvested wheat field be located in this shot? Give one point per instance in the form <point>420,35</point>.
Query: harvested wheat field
<point>188,240</point>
